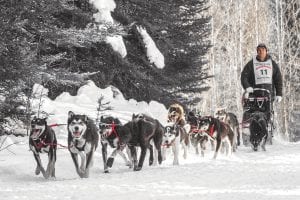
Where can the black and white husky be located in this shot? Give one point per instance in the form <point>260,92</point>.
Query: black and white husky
<point>83,140</point>
<point>135,133</point>
<point>175,136</point>
<point>219,132</point>
<point>42,139</point>
<point>109,128</point>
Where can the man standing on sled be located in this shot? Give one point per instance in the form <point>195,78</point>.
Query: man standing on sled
<point>262,72</point>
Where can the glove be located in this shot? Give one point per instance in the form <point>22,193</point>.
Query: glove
<point>246,95</point>
<point>278,99</point>
<point>249,90</point>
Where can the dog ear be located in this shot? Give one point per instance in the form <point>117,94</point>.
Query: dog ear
<point>70,114</point>
<point>86,118</point>
<point>133,116</point>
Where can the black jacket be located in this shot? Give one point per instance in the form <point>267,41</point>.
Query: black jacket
<point>248,78</point>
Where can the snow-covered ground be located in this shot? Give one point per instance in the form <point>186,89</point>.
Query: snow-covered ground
<point>274,174</point>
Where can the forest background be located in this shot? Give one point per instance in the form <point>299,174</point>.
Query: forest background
<point>205,43</point>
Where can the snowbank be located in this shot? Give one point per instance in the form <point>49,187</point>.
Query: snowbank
<point>86,102</point>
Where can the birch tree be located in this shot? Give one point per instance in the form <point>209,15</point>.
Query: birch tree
<point>287,39</point>
<point>237,28</point>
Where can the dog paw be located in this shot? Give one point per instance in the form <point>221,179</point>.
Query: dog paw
<point>46,175</point>
<point>150,162</point>
<point>86,175</point>
<point>175,162</point>
<point>159,162</point>
<point>110,162</point>
<point>137,168</point>
<point>106,171</point>
<point>129,164</point>
<point>81,173</point>
<point>37,171</point>
<point>52,178</point>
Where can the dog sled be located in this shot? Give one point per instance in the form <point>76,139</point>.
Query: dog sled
<point>260,100</point>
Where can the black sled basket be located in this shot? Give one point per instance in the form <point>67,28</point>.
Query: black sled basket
<point>259,100</point>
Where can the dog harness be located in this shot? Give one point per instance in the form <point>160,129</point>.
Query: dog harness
<point>114,132</point>
<point>212,130</point>
<point>39,145</point>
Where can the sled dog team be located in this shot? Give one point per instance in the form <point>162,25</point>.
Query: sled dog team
<point>221,130</point>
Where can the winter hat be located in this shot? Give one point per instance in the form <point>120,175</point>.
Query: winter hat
<point>261,45</point>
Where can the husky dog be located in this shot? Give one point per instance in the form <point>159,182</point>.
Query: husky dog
<point>176,114</point>
<point>174,136</point>
<point>146,130</point>
<point>230,119</point>
<point>42,139</point>
<point>156,140</point>
<point>219,131</point>
<point>258,130</point>
<point>196,137</point>
<point>108,126</point>
<point>134,133</point>
<point>83,140</point>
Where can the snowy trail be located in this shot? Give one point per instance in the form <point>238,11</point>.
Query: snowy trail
<point>274,174</point>
<point>247,175</point>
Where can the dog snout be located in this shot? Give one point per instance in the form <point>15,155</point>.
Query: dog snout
<point>76,128</point>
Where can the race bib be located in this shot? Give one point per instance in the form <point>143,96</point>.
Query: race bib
<point>263,71</point>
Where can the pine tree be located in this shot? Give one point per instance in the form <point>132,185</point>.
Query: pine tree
<point>57,43</point>
<point>179,29</point>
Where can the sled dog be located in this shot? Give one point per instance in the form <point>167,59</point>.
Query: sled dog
<point>218,131</point>
<point>258,130</point>
<point>230,119</point>
<point>175,136</point>
<point>83,140</point>
<point>42,139</point>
